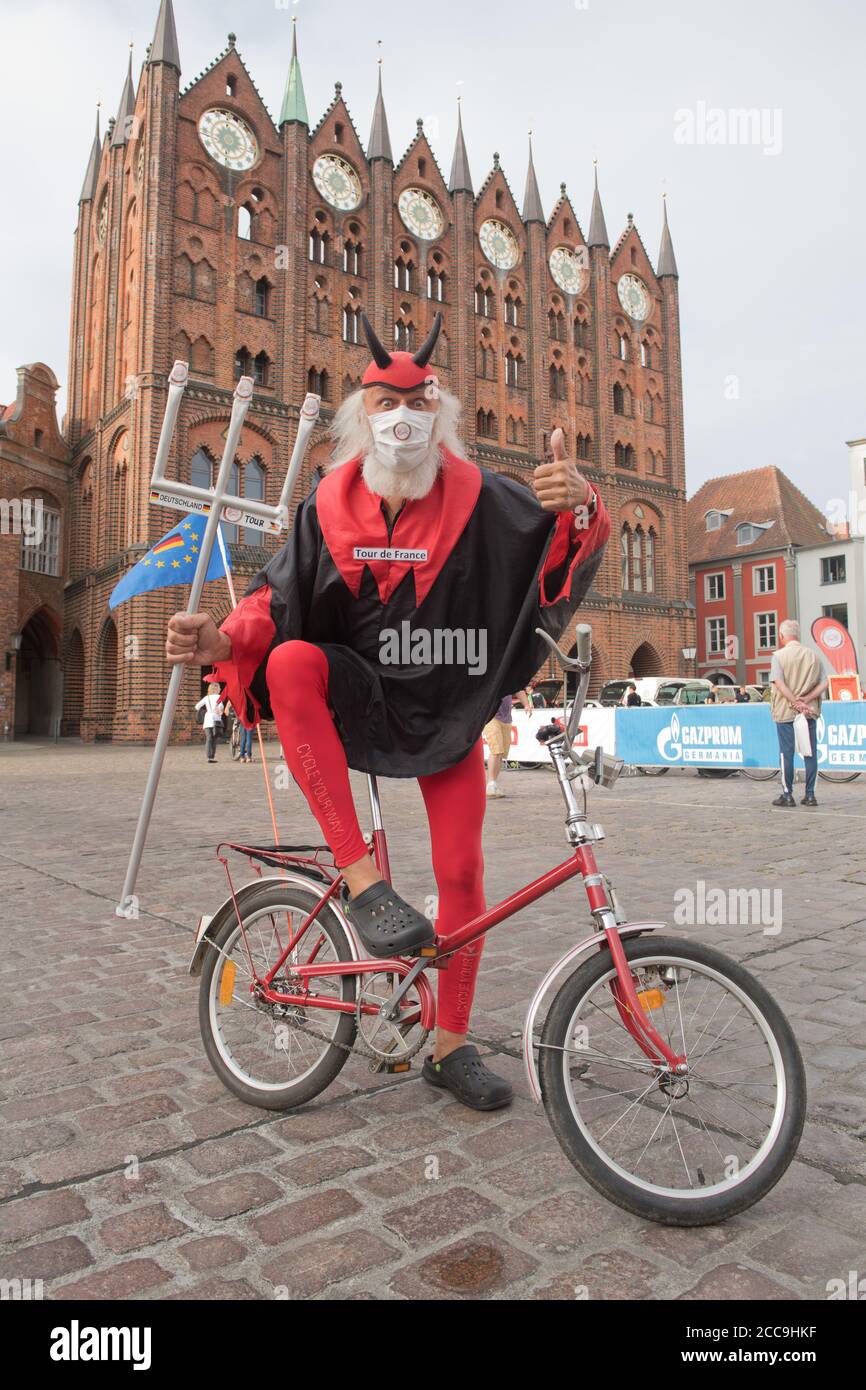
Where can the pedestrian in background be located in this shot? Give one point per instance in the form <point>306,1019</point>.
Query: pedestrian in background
<point>497,736</point>
<point>213,719</point>
<point>797,682</point>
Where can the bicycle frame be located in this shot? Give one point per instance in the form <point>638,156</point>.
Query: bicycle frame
<point>607,935</point>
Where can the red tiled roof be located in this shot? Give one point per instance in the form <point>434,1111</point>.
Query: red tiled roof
<point>759,495</point>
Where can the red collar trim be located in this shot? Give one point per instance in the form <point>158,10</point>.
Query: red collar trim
<point>351,515</point>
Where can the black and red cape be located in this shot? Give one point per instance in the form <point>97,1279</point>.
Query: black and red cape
<point>478,554</point>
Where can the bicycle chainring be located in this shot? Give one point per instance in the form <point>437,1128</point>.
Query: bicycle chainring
<point>380,1038</point>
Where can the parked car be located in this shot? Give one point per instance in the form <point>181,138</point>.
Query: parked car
<point>727,694</point>
<point>646,687</point>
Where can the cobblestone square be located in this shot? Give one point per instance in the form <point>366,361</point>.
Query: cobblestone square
<point>127,1171</point>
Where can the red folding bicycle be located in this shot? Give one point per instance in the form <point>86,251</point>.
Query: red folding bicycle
<point>670,1077</point>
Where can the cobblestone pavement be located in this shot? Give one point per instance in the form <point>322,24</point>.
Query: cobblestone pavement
<point>127,1171</point>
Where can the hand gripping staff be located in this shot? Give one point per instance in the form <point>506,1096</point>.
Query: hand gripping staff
<point>216,502</point>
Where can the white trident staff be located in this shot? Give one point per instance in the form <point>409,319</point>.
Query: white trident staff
<point>241,510</point>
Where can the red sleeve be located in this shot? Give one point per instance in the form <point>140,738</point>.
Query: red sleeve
<point>251,628</point>
<point>571,546</point>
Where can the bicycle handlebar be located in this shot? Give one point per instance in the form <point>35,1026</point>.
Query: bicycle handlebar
<point>582,663</point>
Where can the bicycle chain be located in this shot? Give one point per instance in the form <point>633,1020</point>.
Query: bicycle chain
<point>360,1048</point>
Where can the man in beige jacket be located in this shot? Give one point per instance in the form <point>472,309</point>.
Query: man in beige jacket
<point>797,682</point>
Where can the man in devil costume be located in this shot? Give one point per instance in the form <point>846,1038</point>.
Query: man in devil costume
<point>383,636</point>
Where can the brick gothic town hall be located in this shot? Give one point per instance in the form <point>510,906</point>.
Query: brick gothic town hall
<point>210,232</point>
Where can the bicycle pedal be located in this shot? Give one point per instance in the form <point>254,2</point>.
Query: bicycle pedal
<point>390,1067</point>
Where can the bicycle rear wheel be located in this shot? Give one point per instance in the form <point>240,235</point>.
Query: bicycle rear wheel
<point>687,1151</point>
<point>261,1052</point>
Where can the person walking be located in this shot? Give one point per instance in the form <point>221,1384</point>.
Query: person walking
<point>213,717</point>
<point>797,682</point>
<point>246,753</point>
<point>497,735</point>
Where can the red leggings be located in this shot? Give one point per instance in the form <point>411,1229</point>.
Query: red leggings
<point>297,676</point>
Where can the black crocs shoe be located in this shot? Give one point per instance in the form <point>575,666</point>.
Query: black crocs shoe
<point>464,1074</point>
<point>386,924</point>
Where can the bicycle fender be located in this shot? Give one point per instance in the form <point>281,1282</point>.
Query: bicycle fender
<point>587,944</point>
<point>226,910</point>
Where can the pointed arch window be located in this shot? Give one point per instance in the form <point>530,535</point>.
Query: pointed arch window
<point>649,561</point>
<point>512,308</point>
<point>404,274</point>
<point>484,301</point>
<point>486,424</point>
<point>319,247</point>
<point>513,369</point>
<point>262,369</point>
<point>404,336</point>
<point>318,382</point>
<point>556,325</point>
<point>245,223</point>
<point>201,469</point>
<point>436,285</point>
<point>243,364</point>
<point>352,257</point>
<point>261,298</point>
<point>352,324</point>
<point>558,384</point>
<point>254,490</point>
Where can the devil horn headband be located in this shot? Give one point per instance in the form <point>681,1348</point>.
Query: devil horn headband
<point>380,356</point>
<point>383,358</point>
<point>425,351</point>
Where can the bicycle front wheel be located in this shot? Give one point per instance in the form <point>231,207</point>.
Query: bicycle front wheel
<point>688,1151</point>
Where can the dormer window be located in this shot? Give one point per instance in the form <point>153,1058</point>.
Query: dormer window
<point>715,517</point>
<point>750,531</point>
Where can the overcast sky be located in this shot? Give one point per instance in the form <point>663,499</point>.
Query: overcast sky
<point>768,231</point>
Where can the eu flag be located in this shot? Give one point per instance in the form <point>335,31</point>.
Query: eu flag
<point>171,561</point>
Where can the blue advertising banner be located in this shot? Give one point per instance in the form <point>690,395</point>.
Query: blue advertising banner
<point>734,736</point>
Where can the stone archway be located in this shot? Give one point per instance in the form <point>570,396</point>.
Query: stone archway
<point>646,661</point>
<point>39,677</point>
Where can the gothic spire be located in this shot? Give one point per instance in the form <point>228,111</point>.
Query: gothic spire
<point>294,101</point>
<point>126,109</point>
<point>597,229</point>
<point>89,186</point>
<point>380,141</point>
<point>667,260</point>
<point>461,179</point>
<point>164,48</point>
<point>532,209</point>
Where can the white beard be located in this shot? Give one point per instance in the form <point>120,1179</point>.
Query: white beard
<point>386,482</point>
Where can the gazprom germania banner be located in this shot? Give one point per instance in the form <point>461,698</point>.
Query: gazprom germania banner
<point>734,736</point>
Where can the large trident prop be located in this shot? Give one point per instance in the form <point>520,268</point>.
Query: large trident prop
<point>216,502</point>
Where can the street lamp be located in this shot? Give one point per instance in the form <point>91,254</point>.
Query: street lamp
<point>689,654</point>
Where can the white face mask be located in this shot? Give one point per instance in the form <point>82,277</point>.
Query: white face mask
<point>401,437</point>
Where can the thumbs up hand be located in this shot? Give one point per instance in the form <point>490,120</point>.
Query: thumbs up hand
<point>558,485</point>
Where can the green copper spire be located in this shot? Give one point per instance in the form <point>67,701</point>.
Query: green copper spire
<point>294,101</point>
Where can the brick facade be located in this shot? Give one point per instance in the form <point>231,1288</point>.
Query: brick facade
<point>163,268</point>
